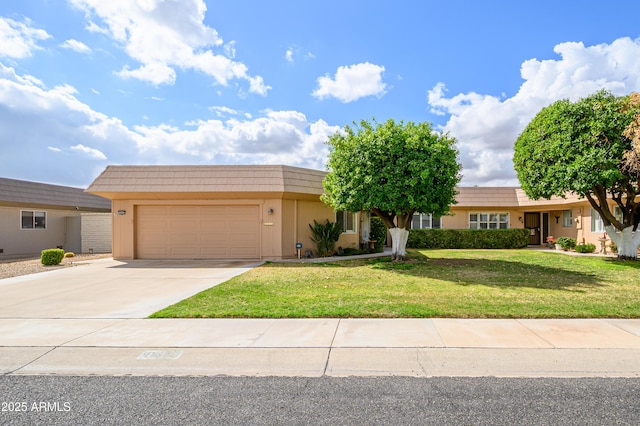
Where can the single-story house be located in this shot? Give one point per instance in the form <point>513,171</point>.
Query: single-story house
<point>35,216</point>
<point>217,212</point>
<point>264,212</point>
<point>509,207</point>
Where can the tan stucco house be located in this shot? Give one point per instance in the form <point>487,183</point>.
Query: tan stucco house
<point>509,207</point>
<point>35,216</point>
<point>262,212</point>
<point>216,212</point>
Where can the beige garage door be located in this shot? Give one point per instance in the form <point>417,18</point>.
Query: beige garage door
<point>197,232</point>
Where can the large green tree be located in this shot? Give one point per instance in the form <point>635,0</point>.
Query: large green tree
<point>586,148</point>
<point>392,169</point>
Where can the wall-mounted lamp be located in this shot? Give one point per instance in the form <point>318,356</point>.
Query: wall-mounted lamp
<point>520,219</point>
<point>122,212</point>
<point>557,218</point>
<point>270,211</point>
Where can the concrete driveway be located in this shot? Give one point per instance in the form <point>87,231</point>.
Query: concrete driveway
<point>106,288</point>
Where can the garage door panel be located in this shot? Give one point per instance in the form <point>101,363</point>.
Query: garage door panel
<point>183,252</point>
<point>175,232</point>
<point>214,252</point>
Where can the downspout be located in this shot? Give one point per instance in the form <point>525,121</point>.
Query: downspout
<point>295,224</point>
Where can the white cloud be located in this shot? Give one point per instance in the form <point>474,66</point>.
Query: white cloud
<point>92,152</point>
<point>76,46</point>
<point>222,110</point>
<point>288,55</point>
<point>46,123</point>
<point>164,35</point>
<point>19,39</point>
<point>353,82</point>
<point>487,126</point>
<point>70,143</point>
<point>278,137</point>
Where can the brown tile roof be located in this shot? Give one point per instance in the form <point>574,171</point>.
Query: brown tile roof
<point>505,196</point>
<point>478,196</point>
<point>34,194</point>
<point>116,180</point>
<point>197,182</point>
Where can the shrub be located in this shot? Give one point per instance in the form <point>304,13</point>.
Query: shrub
<point>69,254</point>
<point>566,243</point>
<point>51,256</point>
<point>585,248</point>
<point>351,251</point>
<point>468,238</point>
<point>325,236</point>
<point>378,233</point>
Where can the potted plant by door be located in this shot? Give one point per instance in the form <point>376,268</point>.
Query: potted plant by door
<point>551,241</point>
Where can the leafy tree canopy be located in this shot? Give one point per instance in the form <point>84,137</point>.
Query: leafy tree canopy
<point>586,147</point>
<point>393,169</point>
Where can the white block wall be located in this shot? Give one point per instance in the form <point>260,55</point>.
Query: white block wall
<point>96,232</point>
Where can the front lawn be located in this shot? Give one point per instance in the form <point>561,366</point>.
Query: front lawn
<point>433,283</point>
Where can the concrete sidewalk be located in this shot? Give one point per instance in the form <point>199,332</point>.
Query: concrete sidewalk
<point>317,347</point>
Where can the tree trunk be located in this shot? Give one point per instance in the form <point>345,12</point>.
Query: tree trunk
<point>399,237</point>
<point>626,240</point>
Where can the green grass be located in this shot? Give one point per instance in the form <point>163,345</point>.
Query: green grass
<point>433,283</point>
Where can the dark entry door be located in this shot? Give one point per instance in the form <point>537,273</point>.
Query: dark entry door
<point>532,223</point>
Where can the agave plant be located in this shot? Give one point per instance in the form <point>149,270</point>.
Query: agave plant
<point>325,236</point>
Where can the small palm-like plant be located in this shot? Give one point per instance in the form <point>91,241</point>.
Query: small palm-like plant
<point>325,236</point>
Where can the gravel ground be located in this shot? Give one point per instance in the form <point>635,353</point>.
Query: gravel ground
<point>14,268</point>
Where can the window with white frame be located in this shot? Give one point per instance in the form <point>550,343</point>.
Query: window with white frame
<point>488,220</point>
<point>30,219</point>
<point>567,218</point>
<point>596,221</point>
<point>347,221</point>
<point>425,221</point>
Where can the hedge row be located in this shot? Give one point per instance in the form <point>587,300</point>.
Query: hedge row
<point>468,238</point>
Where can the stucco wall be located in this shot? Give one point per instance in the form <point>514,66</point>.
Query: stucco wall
<point>460,217</point>
<point>580,228</point>
<point>16,242</point>
<point>280,230</point>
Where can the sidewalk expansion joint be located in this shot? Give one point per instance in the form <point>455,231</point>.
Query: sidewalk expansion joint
<point>30,362</point>
<point>333,338</point>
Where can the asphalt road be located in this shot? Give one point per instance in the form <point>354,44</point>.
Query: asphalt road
<point>317,401</point>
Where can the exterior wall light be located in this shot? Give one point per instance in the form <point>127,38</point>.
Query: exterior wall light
<point>122,212</point>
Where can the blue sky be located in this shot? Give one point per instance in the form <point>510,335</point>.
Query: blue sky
<point>88,83</point>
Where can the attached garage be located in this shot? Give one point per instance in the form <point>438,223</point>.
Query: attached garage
<point>198,232</point>
<point>214,212</point>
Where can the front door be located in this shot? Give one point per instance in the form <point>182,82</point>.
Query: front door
<point>532,223</point>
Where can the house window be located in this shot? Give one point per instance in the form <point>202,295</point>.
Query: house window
<point>596,221</point>
<point>347,221</point>
<point>425,221</point>
<point>30,219</point>
<point>567,218</point>
<point>488,220</point>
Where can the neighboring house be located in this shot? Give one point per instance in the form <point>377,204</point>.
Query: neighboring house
<point>36,216</point>
<point>216,212</point>
<point>261,212</point>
